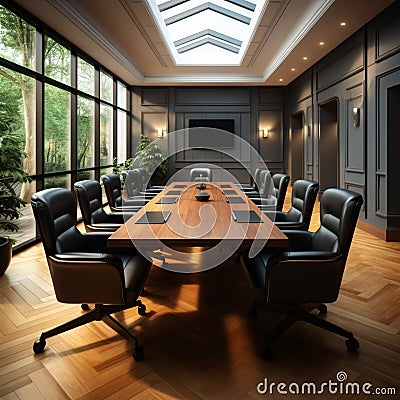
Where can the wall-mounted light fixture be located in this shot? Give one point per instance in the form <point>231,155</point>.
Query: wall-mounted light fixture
<point>356,116</point>
<point>161,132</point>
<point>264,133</point>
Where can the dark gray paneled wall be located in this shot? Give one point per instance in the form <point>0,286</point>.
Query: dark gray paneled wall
<point>251,108</point>
<point>361,73</point>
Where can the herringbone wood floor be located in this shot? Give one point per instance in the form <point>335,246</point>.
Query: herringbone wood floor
<point>199,340</point>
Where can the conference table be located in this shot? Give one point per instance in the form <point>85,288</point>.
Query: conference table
<point>175,221</point>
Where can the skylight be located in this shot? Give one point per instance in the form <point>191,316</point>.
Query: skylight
<point>200,32</point>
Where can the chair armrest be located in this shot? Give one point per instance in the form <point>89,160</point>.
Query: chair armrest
<point>248,188</point>
<point>299,240</point>
<point>252,193</point>
<point>119,217</point>
<point>275,216</point>
<point>126,209</point>
<point>153,191</point>
<point>83,257</point>
<point>291,225</point>
<point>103,227</point>
<point>304,277</point>
<point>263,200</point>
<point>147,194</point>
<point>88,278</point>
<point>270,206</point>
<point>95,242</point>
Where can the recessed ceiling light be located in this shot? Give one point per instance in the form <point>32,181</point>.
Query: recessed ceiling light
<point>280,79</point>
<point>321,43</point>
<point>305,58</point>
<point>293,69</point>
<point>343,24</point>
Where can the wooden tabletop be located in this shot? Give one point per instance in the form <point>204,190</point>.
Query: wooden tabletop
<point>194,223</point>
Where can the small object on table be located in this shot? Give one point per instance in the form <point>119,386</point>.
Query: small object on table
<point>201,185</point>
<point>202,196</point>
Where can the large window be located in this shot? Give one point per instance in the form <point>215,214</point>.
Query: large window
<point>106,135</point>
<point>121,136</point>
<point>85,151</point>
<point>57,136</point>
<point>106,87</point>
<point>57,61</point>
<point>17,42</point>
<point>70,116</point>
<point>85,76</point>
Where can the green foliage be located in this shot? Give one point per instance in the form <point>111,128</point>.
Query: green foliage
<point>149,156</point>
<point>17,39</point>
<point>57,130</point>
<point>11,174</point>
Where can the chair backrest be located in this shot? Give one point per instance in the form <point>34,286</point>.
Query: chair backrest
<point>112,187</point>
<point>133,182</point>
<point>304,194</point>
<point>281,182</point>
<point>257,177</point>
<point>339,210</point>
<point>266,183</point>
<point>206,174</point>
<point>55,214</point>
<point>90,199</point>
<point>145,177</point>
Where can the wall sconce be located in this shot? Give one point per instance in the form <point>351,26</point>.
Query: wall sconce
<point>161,132</point>
<point>264,133</point>
<point>356,116</point>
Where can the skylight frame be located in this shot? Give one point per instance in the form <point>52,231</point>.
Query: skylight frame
<point>224,48</point>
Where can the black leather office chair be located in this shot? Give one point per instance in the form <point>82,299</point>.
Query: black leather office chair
<point>264,187</point>
<point>146,182</point>
<point>256,184</point>
<point>264,199</point>
<point>309,273</point>
<point>133,185</point>
<point>89,195</point>
<point>281,183</point>
<point>113,190</point>
<point>200,174</point>
<point>82,269</point>
<point>304,194</point>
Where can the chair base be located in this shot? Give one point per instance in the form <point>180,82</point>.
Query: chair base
<point>299,314</point>
<point>99,313</point>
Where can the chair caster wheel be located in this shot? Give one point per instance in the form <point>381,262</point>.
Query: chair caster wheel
<point>142,310</point>
<point>39,346</point>
<point>138,353</point>
<point>85,307</point>
<point>267,353</point>
<point>323,309</point>
<point>352,344</point>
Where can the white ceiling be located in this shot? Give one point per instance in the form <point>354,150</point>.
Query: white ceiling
<point>123,36</point>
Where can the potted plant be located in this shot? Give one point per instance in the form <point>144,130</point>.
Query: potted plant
<point>149,156</point>
<point>11,175</point>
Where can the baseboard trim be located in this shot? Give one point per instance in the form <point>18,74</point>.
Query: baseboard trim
<point>387,236</point>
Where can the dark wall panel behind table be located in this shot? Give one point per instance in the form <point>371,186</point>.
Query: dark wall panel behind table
<point>212,96</point>
<point>154,97</point>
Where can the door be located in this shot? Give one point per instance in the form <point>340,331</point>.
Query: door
<point>297,147</point>
<point>328,145</point>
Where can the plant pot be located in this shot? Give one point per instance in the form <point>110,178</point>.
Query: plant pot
<point>5,254</point>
